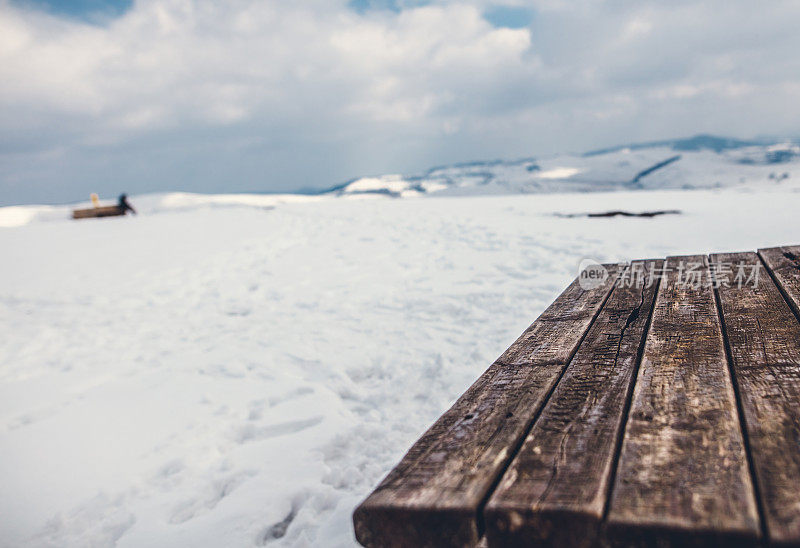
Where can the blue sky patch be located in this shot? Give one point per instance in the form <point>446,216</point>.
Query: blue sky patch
<point>363,6</point>
<point>512,17</point>
<point>91,11</point>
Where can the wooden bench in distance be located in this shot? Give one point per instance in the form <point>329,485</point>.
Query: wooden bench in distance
<point>659,415</point>
<point>102,211</point>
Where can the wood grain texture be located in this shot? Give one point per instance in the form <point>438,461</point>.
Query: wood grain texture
<point>682,476</point>
<point>784,263</point>
<point>103,211</point>
<point>554,492</point>
<point>764,340</point>
<point>433,497</point>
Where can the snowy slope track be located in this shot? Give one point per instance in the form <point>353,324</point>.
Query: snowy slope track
<point>651,169</point>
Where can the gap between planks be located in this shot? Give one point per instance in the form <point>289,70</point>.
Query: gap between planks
<point>555,490</point>
<point>434,496</point>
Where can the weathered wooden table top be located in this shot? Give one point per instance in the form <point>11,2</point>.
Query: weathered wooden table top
<point>659,406</point>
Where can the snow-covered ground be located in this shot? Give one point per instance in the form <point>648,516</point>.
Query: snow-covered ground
<point>241,371</point>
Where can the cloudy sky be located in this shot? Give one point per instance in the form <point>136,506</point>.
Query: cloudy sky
<point>258,95</point>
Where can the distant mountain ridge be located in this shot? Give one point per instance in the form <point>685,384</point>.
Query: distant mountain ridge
<point>698,142</point>
<point>704,161</point>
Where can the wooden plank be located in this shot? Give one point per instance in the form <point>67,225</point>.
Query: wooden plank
<point>103,211</point>
<point>764,340</point>
<point>682,476</point>
<point>784,263</point>
<point>433,497</point>
<point>554,492</point>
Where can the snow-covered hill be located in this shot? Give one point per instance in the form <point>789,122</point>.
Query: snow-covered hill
<point>699,162</point>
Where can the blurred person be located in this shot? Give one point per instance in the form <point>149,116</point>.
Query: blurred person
<point>122,202</point>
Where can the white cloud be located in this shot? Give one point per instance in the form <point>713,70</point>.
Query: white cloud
<point>239,95</point>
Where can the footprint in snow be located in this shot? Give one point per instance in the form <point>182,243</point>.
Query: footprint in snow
<point>250,432</point>
<point>278,529</point>
<point>291,395</point>
<point>217,491</point>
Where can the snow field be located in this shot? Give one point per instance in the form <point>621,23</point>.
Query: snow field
<point>244,375</point>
